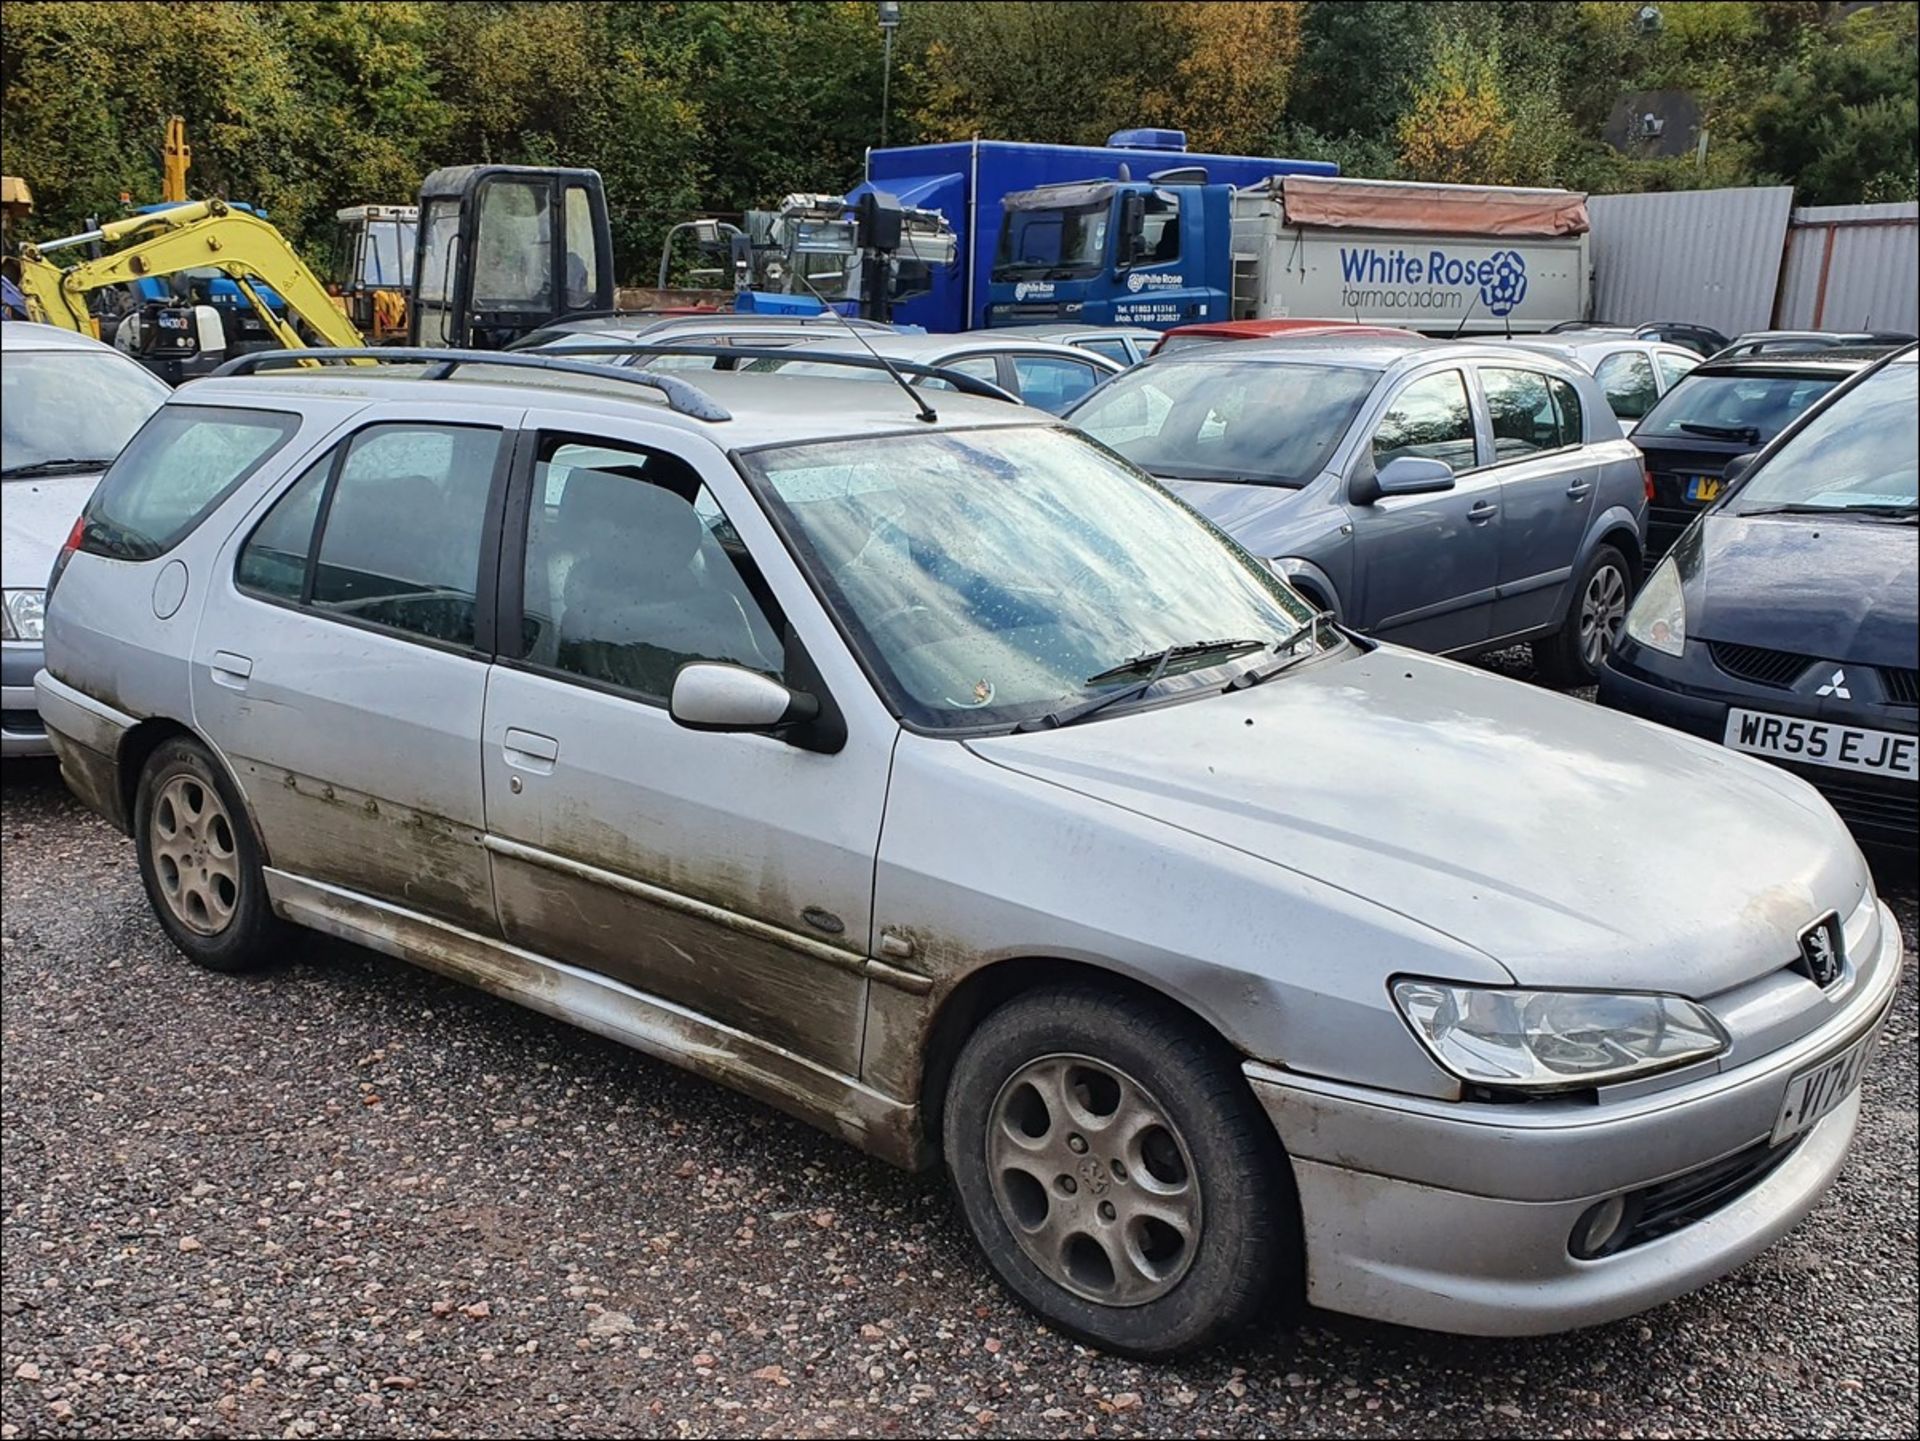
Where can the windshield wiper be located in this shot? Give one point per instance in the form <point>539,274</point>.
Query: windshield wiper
<point>1870,511</point>
<point>1747,434</point>
<point>54,467</point>
<point>1290,653</point>
<point>1155,665</point>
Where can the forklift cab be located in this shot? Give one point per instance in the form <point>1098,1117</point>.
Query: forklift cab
<point>506,249</point>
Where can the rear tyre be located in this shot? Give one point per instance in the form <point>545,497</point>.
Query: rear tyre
<point>1117,1172</point>
<point>1572,655</point>
<point>200,862</point>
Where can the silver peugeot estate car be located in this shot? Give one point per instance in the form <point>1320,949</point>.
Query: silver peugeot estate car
<point>943,780</point>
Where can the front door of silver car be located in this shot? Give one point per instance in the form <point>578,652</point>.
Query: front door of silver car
<point>340,662</point>
<point>1425,564</point>
<point>729,873</point>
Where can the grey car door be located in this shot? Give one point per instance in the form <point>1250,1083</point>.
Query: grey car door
<point>341,661</point>
<point>1425,565</point>
<point>1547,481</point>
<point>730,874</point>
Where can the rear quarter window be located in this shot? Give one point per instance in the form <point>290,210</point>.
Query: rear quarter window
<point>174,473</point>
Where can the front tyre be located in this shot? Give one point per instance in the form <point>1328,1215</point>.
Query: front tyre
<point>200,861</point>
<point>1117,1172</point>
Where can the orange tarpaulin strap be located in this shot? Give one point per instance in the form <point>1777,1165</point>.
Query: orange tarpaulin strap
<point>1432,209</point>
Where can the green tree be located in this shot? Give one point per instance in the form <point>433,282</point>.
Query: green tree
<point>1358,62</point>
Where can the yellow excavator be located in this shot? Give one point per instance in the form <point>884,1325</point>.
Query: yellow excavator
<point>501,250</point>
<point>202,235</point>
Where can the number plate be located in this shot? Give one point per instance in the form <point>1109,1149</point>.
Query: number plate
<point>1853,748</point>
<point>1703,488</point>
<point>1818,1089</point>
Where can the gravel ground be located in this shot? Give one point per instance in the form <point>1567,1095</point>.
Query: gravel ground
<point>347,1197</point>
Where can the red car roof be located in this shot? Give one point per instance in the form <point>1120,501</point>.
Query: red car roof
<point>1265,329</point>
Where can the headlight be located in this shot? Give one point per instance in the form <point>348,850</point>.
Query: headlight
<point>26,614</point>
<point>1554,1040</point>
<point>1659,616</point>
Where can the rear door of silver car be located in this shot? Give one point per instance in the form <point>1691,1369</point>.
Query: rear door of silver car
<point>341,662</point>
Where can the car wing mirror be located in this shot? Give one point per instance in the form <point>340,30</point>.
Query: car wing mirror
<point>1413,475</point>
<point>1738,466</point>
<point>711,696</point>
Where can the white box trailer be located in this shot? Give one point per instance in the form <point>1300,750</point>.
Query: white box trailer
<point>1476,259</point>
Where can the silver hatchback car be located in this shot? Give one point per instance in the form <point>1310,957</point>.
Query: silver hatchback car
<point>948,783</point>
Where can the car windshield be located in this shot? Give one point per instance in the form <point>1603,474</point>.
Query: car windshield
<point>71,409</point>
<point>1228,420</point>
<point>1857,455</point>
<point>1750,408</point>
<point>1070,239</point>
<point>989,576</point>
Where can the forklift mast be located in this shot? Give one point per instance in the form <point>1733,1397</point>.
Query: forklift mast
<point>506,249</point>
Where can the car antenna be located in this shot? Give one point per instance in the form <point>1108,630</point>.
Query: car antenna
<point>1463,319</point>
<point>927,412</point>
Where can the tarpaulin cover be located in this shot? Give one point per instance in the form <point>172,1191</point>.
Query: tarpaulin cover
<point>1432,209</point>
<point>1047,197</point>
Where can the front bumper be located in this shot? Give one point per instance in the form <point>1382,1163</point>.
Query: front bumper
<point>1691,693</point>
<point>21,730</point>
<point>1457,1216</point>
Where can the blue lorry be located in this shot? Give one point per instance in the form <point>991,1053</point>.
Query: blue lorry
<point>1144,233</point>
<point>1034,224</point>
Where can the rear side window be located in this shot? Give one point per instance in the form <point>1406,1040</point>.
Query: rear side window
<point>181,465</point>
<point>1114,350</point>
<point>1051,382</point>
<point>1672,367</point>
<point>1627,378</point>
<point>1522,411</point>
<point>1566,404</point>
<point>401,520</point>
<point>401,531</point>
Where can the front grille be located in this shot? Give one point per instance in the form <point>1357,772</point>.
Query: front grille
<point>21,722</point>
<point>1881,807</point>
<point>1777,668</point>
<point>1665,1208</point>
<point>1902,687</point>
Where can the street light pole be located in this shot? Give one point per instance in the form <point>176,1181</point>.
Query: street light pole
<point>889,22</point>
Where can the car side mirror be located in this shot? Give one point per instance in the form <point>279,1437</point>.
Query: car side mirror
<point>1413,475</point>
<point>1738,466</point>
<point>1133,227</point>
<point>711,696</point>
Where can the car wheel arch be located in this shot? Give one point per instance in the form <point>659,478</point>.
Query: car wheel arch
<point>139,744</point>
<point>986,988</point>
<point>1312,582</point>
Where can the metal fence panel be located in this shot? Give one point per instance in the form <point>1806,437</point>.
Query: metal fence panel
<point>1707,256</point>
<point>1852,267</point>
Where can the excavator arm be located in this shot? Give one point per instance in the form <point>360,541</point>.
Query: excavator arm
<point>207,235</point>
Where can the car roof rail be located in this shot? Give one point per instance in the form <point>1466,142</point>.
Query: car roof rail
<point>682,397</point>
<point>958,379</point>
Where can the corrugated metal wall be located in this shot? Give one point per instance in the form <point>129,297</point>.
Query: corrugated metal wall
<point>1708,256</point>
<point>1852,267</point>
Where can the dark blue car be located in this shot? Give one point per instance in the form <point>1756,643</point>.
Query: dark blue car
<point>1785,624</point>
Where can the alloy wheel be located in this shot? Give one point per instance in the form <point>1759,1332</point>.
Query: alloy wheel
<point>1094,1180</point>
<point>1603,610</point>
<point>194,854</point>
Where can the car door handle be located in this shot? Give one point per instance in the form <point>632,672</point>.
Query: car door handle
<point>230,669</point>
<point>531,751</point>
<point>1483,510</point>
<point>1579,490</point>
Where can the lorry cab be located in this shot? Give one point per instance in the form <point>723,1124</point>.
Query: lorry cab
<point>1113,252</point>
<point>503,250</point>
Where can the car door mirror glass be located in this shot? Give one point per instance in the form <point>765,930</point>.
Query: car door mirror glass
<point>710,696</point>
<point>1414,475</point>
